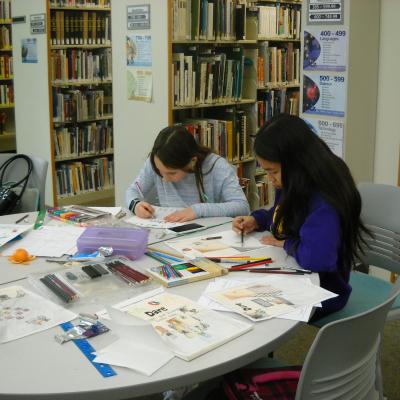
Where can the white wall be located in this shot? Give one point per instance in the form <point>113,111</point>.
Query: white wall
<point>136,124</point>
<point>31,90</point>
<point>388,123</point>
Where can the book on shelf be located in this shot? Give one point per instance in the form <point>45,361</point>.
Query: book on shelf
<point>5,10</point>
<point>209,20</point>
<point>186,272</point>
<point>189,329</point>
<point>80,3</point>
<point>6,67</point>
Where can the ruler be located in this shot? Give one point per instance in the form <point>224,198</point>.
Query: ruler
<point>87,349</point>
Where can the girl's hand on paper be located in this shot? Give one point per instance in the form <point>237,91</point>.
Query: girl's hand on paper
<point>245,224</point>
<point>187,214</point>
<point>144,210</point>
<point>270,240</point>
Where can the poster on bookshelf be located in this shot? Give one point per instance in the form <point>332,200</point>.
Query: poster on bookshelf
<point>324,93</point>
<point>330,131</point>
<point>325,49</point>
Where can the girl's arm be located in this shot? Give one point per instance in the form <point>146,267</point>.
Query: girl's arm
<point>318,246</point>
<point>145,180</point>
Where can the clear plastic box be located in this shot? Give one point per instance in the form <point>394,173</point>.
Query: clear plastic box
<point>128,242</point>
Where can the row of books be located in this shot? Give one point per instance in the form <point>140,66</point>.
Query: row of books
<point>278,64</point>
<point>77,105</point>
<point>6,94</point>
<point>5,37</point>
<point>80,3</point>
<point>80,28</point>
<point>228,137</point>
<point>6,67</point>
<point>209,19</point>
<point>80,177</point>
<point>5,9</point>
<point>276,101</point>
<point>207,78</point>
<point>279,20</point>
<point>95,138</point>
<point>75,64</point>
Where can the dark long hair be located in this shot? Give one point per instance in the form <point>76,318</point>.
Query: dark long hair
<point>308,167</point>
<point>175,147</point>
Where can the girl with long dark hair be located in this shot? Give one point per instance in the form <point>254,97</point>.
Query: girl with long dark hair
<point>316,215</point>
<point>189,176</point>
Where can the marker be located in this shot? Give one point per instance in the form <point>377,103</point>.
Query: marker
<point>213,238</point>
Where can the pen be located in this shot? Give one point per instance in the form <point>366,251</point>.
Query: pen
<point>250,264</point>
<point>213,237</point>
<point>242,237</point>
<point>21,219</point>
<point>268,271</point>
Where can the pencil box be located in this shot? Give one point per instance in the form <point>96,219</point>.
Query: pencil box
<point>128,242</point>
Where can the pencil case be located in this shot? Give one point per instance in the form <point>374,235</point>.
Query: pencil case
<point>128,242</point>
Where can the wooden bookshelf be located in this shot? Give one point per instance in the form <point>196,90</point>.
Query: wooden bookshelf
<point>8,138</point>
<point>78,33</point>
<point>214,44</point>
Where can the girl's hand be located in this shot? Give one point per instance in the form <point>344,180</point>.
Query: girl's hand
<point>270,240</point>
<point>184,215</point>
<point>144,210</point>
<point>246,224</point>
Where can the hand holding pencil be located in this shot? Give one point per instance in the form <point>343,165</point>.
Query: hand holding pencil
<point>144,210</point>
<point>244,224</point>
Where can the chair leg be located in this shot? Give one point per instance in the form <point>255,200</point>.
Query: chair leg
<point>364,268</point>
<point>393,277</point>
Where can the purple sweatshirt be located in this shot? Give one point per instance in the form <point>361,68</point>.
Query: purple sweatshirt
<point>318,249</point>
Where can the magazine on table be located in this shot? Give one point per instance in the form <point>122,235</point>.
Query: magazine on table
<point>189,329</point>
<point>270,297</point>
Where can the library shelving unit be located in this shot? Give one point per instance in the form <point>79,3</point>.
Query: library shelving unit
<point>234,65</point>
<point>73,77</point>
<point>7,120</point>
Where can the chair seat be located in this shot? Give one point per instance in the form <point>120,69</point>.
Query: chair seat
<point>367,293</point>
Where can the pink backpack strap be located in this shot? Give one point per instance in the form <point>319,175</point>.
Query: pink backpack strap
<point>276,376</point>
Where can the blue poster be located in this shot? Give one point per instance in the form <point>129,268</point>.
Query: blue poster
<point>324,93</point>
<point>325,49</point>
<point>29,51</point>
<point>138,51</point>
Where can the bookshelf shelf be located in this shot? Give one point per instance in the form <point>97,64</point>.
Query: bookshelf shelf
<point>247,160</point>
<point>206,105</point>
<point>90,198</point>
<point>5,21</point>
<point>260,173</point>
<point>79,46</point>
<point>83,8</point>
<point>252,2</point>
<point>277,39</point>
<point>11,105</point>
<point>81,83</point>
<point>6,48</point>
<point>279,85</point>
<point>10,78</point>
<point>82,157</point>
<point>83,121</point>
<point>7,141</point>
<point>215,42</point>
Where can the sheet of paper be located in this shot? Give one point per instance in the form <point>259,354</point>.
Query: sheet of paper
<point>221,244</point>
<point>134,354</point>
<point>48,241</point>
<point>23,313</point>
<point>299,314</point>
<point>11,231</point>
<point>157,221</point>
<point>269,297</point>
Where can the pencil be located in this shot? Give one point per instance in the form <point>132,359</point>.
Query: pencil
<point>242,237</point>
<point>268,271</point>
<point>21,219</point>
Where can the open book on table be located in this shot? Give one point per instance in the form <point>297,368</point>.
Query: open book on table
<point>189,329</point>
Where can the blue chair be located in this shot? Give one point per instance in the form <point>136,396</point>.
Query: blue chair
<point>381,214</point>
<point>34,196</point>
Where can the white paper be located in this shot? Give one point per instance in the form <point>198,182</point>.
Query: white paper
<point>221,244</point>
<point>269,297</point>
<point>158,219</point>
<point>23,313</point>
<point>134,354</point>
<point>48,241</point>
<point>11,231</point>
